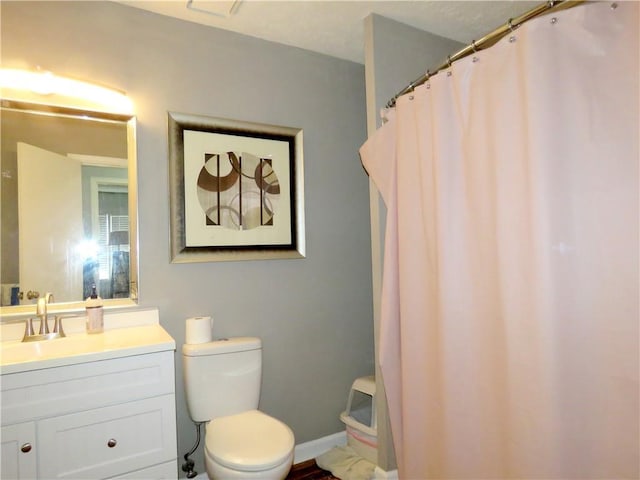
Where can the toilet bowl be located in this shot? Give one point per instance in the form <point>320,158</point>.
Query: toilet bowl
<point>248,446</point>
<point>222,386</point>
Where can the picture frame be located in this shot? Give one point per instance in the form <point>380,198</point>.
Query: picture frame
<point>236,190</point>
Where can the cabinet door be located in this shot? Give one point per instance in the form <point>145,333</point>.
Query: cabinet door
<point>18,451</point>
<point>109,441</point>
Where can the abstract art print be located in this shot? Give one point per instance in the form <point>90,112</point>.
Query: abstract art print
<point>236,190</point>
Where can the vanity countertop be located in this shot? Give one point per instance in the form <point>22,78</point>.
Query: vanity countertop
<point>126,334</point>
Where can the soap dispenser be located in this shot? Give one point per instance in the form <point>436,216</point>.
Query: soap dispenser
<point>95,318</point>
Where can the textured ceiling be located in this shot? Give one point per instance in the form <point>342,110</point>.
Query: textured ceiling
<point>336,27</point>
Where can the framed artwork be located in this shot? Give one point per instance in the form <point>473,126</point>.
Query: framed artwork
<point>236,190</point>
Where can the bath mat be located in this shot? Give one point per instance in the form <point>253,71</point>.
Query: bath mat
<point>346,464</point>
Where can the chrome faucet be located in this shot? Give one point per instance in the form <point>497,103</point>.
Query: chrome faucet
<point>41,313</point>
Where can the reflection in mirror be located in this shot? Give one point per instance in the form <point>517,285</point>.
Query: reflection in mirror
<point>68,213</point>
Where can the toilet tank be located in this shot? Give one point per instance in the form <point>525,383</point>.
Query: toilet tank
<point>222,377</point>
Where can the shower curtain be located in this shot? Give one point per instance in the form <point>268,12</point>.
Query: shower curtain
<point>509,324</point>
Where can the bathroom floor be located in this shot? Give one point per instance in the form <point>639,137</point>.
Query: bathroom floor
<point>309,470</point>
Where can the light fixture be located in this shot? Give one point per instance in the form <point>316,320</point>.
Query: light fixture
<point>42,87</point>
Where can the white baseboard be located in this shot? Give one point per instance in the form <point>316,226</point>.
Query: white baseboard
<point>308,450</point>
<point>379,474</point>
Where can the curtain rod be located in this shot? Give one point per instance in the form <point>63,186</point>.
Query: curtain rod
<point>487,41</point>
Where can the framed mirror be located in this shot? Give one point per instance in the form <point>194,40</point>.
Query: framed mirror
<point>69,207</point>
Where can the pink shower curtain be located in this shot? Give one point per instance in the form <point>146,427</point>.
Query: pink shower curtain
<point>509,329</point>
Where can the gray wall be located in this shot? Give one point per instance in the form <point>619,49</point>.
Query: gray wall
<point>314,314</point>
<point>395,54</point>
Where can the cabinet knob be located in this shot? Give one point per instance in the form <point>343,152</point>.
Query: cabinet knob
<point>26,448</point>
<point>112,443</point>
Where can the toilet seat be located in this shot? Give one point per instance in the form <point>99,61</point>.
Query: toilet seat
<point>250,441</point>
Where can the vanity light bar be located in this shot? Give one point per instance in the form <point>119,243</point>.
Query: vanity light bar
<point>45,87</point>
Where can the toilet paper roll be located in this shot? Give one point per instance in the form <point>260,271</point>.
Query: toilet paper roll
<point>199,330</point>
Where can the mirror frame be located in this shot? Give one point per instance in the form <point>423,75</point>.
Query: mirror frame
<point>7,312</point>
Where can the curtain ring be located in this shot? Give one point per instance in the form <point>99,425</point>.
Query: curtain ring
<point>449,60</point>
<point>473,45</point>
<point>512,37</point>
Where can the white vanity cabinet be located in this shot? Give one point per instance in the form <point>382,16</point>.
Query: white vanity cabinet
<point>102,419</point>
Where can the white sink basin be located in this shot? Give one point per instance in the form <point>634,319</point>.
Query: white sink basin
<point>18,352</point>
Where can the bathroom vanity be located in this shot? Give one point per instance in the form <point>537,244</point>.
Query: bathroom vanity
<point>90,406</point>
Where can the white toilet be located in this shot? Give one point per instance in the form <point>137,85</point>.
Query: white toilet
<point>222,385</point>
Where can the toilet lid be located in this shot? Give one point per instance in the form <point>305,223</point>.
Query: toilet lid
<point>248,441</point>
